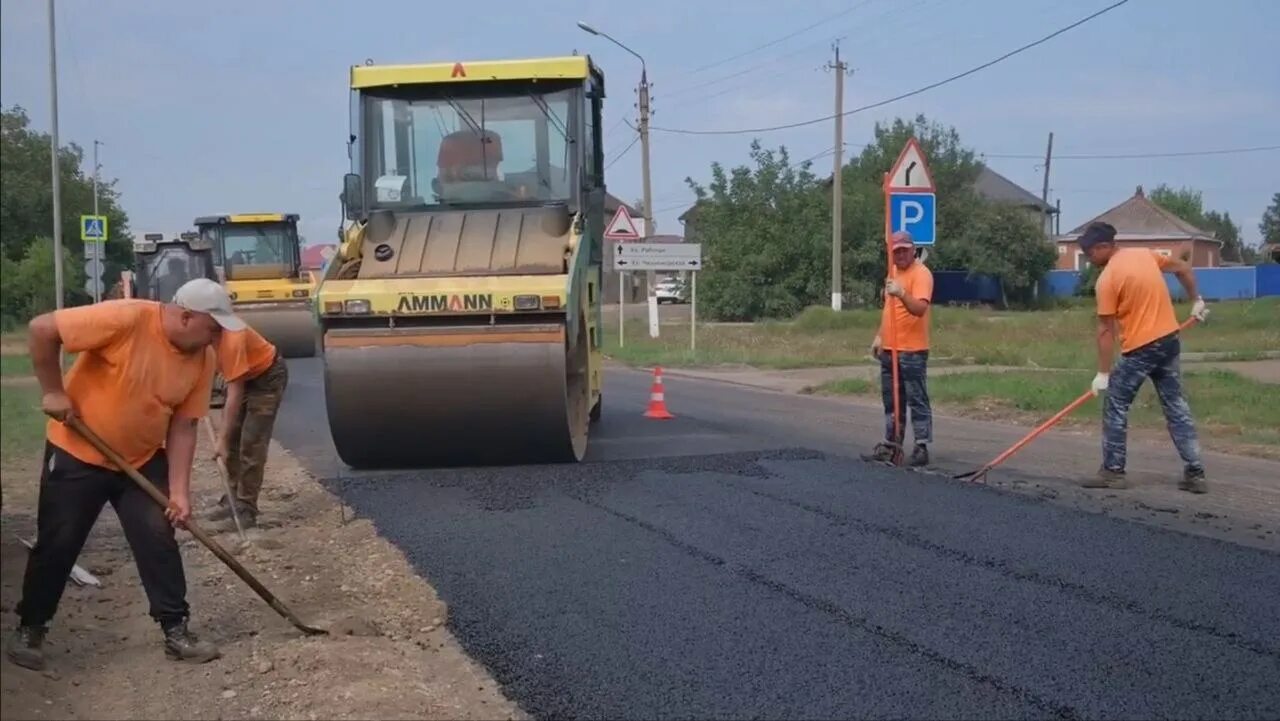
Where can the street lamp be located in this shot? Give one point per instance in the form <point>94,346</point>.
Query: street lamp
<point>651,277</point>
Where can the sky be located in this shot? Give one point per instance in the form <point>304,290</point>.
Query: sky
<point>236,106</point>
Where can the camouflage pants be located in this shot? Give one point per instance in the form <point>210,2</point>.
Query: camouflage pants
<point>913,395</point>
<point>250,432</point>
<point>1159,361</point>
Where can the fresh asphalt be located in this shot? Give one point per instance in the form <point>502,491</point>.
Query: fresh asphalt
<point>736,563</point>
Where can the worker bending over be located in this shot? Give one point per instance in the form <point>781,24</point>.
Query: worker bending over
<point>141,382</point>
<point>906,306</point>
<point>1132,295</point>
<point>256,377</point>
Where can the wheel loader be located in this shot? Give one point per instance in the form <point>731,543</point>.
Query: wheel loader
<point>261,260</point>
<point>461,315</point>
<point>161,267</point>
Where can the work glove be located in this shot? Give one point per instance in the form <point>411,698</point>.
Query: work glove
<point>1198,310</point>
<point>1099,384</point>
<point>891,287</point>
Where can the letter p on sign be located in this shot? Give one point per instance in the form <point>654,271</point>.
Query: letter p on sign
<point>914,213</point>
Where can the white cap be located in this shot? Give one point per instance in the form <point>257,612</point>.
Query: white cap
<point>202,295</point>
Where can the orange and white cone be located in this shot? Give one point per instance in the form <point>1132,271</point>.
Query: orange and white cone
<point>657,399</point>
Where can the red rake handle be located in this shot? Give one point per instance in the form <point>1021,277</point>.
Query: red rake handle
<point>1057,417</point>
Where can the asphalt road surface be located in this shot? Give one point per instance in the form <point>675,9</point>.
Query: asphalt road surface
<point>739,562</point>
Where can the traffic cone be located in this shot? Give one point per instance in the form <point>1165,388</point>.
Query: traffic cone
<point>657,399</point>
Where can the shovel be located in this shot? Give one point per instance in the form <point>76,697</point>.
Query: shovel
<point>79,427</point>
<point>226,478</point>
<point>981,473</point>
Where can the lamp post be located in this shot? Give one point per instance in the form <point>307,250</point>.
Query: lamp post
<point>651,276</point>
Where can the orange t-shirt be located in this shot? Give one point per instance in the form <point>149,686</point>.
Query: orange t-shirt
<point>1131,287</point>
<point>909,333</point>
<point>128,380</point>
<point>244,354</point>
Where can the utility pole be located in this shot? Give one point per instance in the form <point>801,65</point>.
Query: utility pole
<point>837,183</point>
<point>1044,192</point>
<point>651,278</point>
<point>53,162</point>
<point>98,252</point>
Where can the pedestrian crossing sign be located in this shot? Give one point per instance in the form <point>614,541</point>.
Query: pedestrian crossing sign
<point>93,228</point>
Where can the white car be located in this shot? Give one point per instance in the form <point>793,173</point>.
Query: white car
<point>671,291</point>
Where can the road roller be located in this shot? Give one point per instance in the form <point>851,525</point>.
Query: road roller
<point>461,314</point>
<point>261,258</point>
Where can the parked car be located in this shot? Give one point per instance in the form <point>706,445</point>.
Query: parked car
<point>671,290</point>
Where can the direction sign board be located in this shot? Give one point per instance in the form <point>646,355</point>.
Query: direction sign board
<point>658,256</point>
<point>622,227</point>
<point>93,228</point>
<point>914,213</point>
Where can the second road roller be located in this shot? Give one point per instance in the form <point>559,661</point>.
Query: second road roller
<point>261,258</point>
<point>461,315</point>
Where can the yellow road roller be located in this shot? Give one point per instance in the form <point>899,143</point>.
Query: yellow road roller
<point>261,259</point>
<point>461,316</point>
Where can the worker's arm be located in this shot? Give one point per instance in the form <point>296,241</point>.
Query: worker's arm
<point>1181,270</point>
<point>235,396</point>
<point>180,444</point>
<point>915,305</point>
<point>44,344</point>
<point>1106,342</point>
<point>180,448</point>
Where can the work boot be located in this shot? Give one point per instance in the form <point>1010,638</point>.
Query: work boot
<point>247,515</point>
<point>1193,481</point>
<point>919,456</point>
<point>180,644</point>
<point>1107,478</point>
<point>24,647</point>
<point>883,453</point>
<point>220,511</point>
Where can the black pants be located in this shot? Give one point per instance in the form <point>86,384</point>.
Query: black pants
<point>72,494</point>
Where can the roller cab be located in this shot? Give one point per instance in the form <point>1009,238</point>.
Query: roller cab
<point>460,317</point>
<point>261,260</point>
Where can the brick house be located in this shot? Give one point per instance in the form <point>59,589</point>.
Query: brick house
<point>1140,223</point>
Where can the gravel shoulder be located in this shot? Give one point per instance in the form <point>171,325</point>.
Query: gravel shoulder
<point>389,654</point>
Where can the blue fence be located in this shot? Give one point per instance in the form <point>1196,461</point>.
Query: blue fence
<point>1214,283</point>
<point>957,286</point>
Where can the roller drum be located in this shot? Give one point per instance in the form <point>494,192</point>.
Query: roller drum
<point>289,327</point>
<point>455,396</point>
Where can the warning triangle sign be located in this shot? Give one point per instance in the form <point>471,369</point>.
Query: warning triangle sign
<point>911,172</point>
<point>622,227</point>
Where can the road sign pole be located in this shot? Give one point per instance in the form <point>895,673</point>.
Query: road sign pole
<point>97,257</point>
<point>622,306</point>
<point>693,313</point>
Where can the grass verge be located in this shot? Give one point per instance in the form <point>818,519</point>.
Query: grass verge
<point>1229,408</point>
<point>1047,339</point>
<point>21,421</point>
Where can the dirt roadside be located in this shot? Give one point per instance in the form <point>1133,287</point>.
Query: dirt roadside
<point>390,655</point>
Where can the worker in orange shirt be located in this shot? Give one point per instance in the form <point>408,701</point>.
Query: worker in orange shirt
<point>1134,304</point>
<point>256,377</point>
<point>907,301</point>
<point>141,382</point>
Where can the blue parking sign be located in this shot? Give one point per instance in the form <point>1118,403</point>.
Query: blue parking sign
<point>914,213</point>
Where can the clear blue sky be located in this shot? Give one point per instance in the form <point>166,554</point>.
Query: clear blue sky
<point>236,106</point>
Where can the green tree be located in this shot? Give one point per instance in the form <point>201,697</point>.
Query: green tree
<point>26,204</point>
<point>1001,240</point>
<point>1186,203</point>
<point>762,229</point>
<point>1270,225</point>
<point>28,284</point>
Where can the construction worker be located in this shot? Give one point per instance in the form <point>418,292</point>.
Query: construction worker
<point>256,377</point>
<point>141,382</point>
<point>1133,299</point>
<point>906,307</point>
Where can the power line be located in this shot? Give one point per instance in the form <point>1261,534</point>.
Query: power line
<point>623,154</point>
<point>931,86</point>
<point>788,36</point>
<point>1136,156</point>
